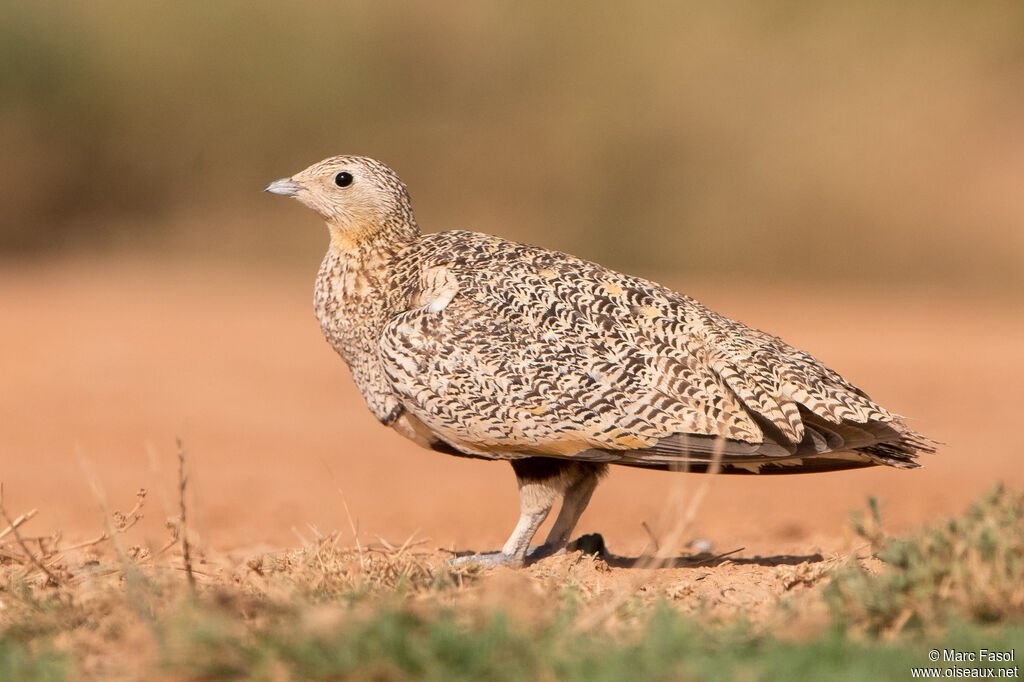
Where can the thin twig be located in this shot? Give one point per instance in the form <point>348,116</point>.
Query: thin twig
<point>27,516</point>
<point>131,518</point>
<point>167,545</point>
<point>88,543</point>
<point>668,544</point>
<point>717,557</point>
<point>348,514</point>
<point>185,549</point>
<point>17,536</point>
<point>134,514</point>
<point>652,536</point>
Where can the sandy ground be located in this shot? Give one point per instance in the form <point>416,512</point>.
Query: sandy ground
<point>104,364</point>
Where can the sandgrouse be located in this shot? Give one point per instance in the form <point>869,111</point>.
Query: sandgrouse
<point>475,346</point>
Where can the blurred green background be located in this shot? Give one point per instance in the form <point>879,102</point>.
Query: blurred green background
<point>789,140</point>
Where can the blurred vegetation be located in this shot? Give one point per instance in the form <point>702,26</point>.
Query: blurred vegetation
<point>970,567</point>
<point>327,611</point>
<point>404,645</point>
<point>21,662</point>
<point>781,139</point>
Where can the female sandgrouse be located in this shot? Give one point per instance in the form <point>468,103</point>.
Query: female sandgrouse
<point>480,347</point>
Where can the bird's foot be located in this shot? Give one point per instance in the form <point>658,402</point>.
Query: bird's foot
<point>592,543</point>
<point>543,552</point>
<point>588,544</point>
<point>489,560</point>
<point>486,560</point>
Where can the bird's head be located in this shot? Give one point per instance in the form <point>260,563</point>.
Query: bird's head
<point>360,198</point>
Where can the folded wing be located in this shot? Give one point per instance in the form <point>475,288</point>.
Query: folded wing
<point>512,351</point>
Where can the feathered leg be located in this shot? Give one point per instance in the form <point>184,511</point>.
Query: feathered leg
<point>541,482</point>
<point>574,501</point>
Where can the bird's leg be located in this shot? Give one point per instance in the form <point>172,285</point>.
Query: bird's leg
<point>541,481</point>
<point>576,498</point>
<point>536,497</point>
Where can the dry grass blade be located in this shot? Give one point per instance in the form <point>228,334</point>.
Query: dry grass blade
<point>352,525</point>
<point>325,567</point>
<point>185,549</point>
<point>391,547</point>
<point>348,514</point>
<point>21,520</point>
<point>409,543</point>
<point>672,539</point>
<point>664,547</point>
<point>50,575</point>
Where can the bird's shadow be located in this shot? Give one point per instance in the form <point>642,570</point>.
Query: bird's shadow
<point>594,544</point>
<point>708,560</point>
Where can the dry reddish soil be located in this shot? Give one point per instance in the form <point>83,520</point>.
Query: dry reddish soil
<point>104,363</point>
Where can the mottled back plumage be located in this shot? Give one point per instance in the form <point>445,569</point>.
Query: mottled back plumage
<point>478,346</point>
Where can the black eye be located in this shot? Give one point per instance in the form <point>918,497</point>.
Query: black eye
<point>343,179</point>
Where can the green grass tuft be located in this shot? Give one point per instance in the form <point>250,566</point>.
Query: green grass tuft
<point>970,568</point>
<point>27,661</point>
<point>396,644</point>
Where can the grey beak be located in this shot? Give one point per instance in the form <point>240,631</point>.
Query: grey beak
<point>286,187</point>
